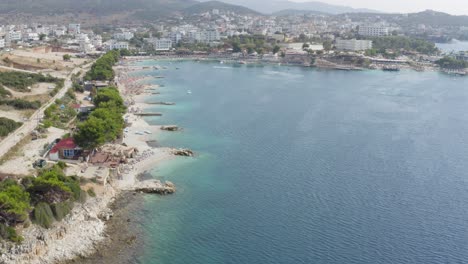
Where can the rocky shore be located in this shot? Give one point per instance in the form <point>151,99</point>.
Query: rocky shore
<point>101,228</point>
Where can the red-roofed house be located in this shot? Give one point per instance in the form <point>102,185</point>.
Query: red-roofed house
<point>65,149</point>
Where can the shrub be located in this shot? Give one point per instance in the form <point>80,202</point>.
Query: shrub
<point>91,192</point>
<point>9,233</point>
<point>61,210</point>
<point>43,215</point>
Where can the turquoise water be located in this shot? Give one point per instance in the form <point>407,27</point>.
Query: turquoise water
<point>299,165</point>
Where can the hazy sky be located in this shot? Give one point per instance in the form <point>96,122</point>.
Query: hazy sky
<point>458,7</point>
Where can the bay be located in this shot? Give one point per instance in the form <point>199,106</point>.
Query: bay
<point>297,165</point>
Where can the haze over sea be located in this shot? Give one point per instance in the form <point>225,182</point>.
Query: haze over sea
<point>299,165</point>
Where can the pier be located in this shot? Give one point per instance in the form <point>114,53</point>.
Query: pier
<point>149,114</point>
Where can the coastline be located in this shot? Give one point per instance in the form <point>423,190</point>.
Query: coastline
<point>93,223</point>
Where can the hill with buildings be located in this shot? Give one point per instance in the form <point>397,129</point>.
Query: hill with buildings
<point>280,5</point>
<point>221,6</point>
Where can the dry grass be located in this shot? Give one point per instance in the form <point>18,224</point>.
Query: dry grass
<point>17,150</point>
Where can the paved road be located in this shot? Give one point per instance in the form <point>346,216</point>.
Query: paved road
<point>28,126</point>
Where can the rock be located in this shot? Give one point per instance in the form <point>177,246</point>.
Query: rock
<point>183,152</point>
<point>156,187</point>
<point>170,128</point>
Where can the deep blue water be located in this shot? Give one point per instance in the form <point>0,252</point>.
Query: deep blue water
<point>306,166</point>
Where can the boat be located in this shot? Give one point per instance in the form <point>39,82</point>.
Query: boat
<point>147,132</point>
<point>391,68</point>
<point>221,62</point>
<point>139,133</point>
<point>189,92</point>
<point>242,62</point>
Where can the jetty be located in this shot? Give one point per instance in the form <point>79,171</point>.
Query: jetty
<point>149,114</point>
<point>156,187</point>
<point>161,103</point>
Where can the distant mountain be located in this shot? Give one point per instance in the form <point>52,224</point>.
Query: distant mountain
<point>294,12</point>
<point>99,7</point>
<point>272,6</point>
<point>433,18</point>
<point>115,10</point>
<point>210,5</point>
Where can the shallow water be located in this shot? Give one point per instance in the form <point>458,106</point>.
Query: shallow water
<point>298,165</point>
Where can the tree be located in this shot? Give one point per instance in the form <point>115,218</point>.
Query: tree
<point>42,37</point>
<point>91,133</point>
<point>14,203</point>
<point>109,97</point>
<point>276,49</point>
<point>327,45</point>
<point>66,57</point>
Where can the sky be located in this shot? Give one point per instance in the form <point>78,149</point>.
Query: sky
<point>455,7</point>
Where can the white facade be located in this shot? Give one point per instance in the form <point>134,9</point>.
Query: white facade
<point>124,36</point>
<point>97,41</point>
<point>14,35</point>
<point>353,44</point>
<point>205,36</point>
<point>162,44</point>
<point>118,45</point>
<point>2,43</point>
<point>74,29</point>
<point>373,31</point>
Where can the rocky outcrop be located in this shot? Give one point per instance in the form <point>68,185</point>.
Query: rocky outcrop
<point>170,128</point>
<point>183,152</point>
<point>156,187</point>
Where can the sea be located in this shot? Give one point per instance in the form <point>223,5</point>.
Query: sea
<point>302,165</point>
<point>453,46</point>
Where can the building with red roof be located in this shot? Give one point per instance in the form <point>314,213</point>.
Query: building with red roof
<point>65,149</point>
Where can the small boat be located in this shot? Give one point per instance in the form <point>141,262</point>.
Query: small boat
<point>242,62</point>
<point>147,132</point>
<point>391,68</point>
<point>189,92</point>
<point>139,133</point>
<point>221,62</point>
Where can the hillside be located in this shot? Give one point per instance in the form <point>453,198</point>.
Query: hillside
<point>280,5</point>
<point>210,5</point>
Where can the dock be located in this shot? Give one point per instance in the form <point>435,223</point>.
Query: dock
<point>149,114</point>
<point>161,103</point>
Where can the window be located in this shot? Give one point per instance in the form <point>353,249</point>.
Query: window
<point>69,153</point>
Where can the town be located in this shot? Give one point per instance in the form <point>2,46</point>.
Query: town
<point>347,41</point>
<point>72,102</point>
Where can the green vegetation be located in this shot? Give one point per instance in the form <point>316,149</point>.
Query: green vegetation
<point>50,197</point>
<point>451,63</point>
<point>60,113</point>
<point>256,43</point>
<point>20,81</point>
<point>7,126</point>
<point>21,104</point>
<point>4,92</point>
<point>66,57</point>
<point>102,68</point>
<point>399,43</point>
<point>14,203</point>
<point>105,123</point>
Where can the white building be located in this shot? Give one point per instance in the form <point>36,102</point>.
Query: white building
<point>14,35</point>
<point>97,41</point>
<point>373,31</point>
<point>85,44</point>
<point>162,44</point>
<point>353,44</point>
<point>205,36</point>
<point>176,37</point>
<point>2,43</point>
<point>74,29</point>
<point>124,35</point>
<point>118,45</point>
